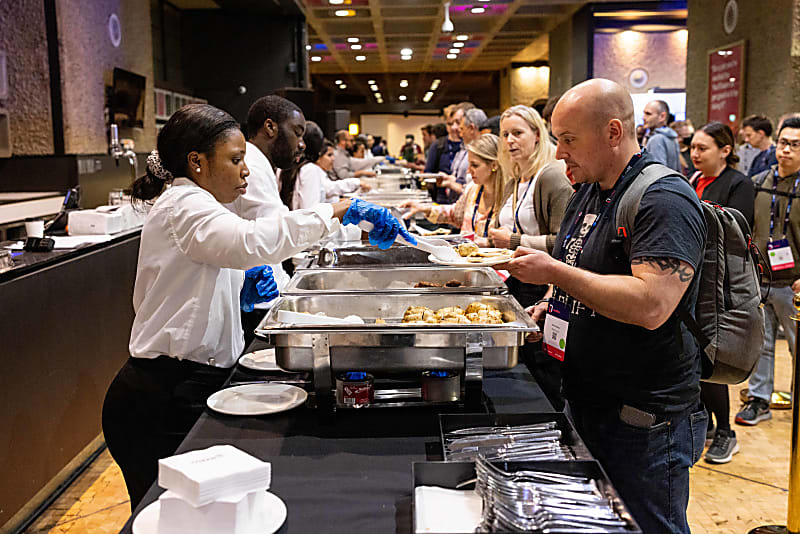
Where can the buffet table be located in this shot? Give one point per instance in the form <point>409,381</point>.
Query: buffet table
<point>350,472</point>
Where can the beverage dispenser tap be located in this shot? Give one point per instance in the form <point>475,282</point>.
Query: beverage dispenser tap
<point>117,151</point>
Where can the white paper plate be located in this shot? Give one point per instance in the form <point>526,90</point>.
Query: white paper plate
<point>464,263</point>
<point>147,520</point>
<point>256,399</point>
<point>260,360</point>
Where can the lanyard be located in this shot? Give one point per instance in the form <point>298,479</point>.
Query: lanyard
<point>475,211</point>
<point>620,182</point>
<point>775,178</point>
<point>518,206</point>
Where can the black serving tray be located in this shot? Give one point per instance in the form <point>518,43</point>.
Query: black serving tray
<point>569,436</point>
<point>450,474</point>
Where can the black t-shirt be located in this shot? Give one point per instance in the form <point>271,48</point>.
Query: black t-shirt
<point>609,362</point>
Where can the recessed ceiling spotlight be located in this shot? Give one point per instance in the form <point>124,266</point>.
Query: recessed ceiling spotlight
<point>380,101</point>
<point>355,47</point>
<point>435,84</point>
<point>454,51</point>
<point>403,83</point>
<point>378,96</point>
<point>347,12</point>
<point>373,87</point>
<point>371,82</point>
<point>428,96</point>
<point>352,39</point>
<point>361,58</point>
<point>462,37</point>
<point>308,47</point>
<point>316,58</point>
<point>343,86</point>
<point>338,82</point>
<point>402,98</point>
<point>336,2</point>
<point>458,44</point>
<point>452,56</point>
<point>405,58</point>
<point>477,10</point>
<point>406,52</point>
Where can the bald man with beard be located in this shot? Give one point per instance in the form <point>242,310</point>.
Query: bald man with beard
<point>631,367</point>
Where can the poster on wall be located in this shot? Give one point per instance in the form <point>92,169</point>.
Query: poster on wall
<point>726,84</point>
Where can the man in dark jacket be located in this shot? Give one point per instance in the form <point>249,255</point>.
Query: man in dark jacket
<point>757,132</point>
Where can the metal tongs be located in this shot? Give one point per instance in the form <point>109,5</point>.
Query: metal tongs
<point>439,248</point>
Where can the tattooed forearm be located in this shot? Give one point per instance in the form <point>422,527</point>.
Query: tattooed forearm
<point>683,270</point>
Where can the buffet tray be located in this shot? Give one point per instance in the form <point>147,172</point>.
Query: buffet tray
<point>394,346</point>
<point>362,254</point>
<point>453,474</point>
<point>374,279</point>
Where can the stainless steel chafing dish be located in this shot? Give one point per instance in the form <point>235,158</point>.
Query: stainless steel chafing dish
<point>394,348</point>
<point>373,279</point>
<point>361,254</point>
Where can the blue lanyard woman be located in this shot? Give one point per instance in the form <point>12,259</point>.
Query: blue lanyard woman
<point>475,212</point>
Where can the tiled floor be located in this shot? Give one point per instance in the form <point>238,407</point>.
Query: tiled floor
<point>731,498</point>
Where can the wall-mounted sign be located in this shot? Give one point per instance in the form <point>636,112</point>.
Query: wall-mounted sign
<point>638,78</point>
<point>726,84</point>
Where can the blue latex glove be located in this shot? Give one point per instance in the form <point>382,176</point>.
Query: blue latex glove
<point>259,286</point>
<point>390,159</point>
<point>387,227</point>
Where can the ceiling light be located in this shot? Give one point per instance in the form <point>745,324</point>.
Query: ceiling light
<point>336,2</point>
<point>458,44</point>
<point>316,58</point>
<point>361,58</point>
<point>454,51</point>
<point>352,39</point>
<point>308,47</point>
<point>403,83</point>
<point>370,82</point>
<point>402,98</point>
<point>380,101</point>
<point>343,86</point>
<point>405,58</point>
<point>406,52</point>
<point>337,82</point>
<point>355,47</point>
<point>428,96</point>
<point>435,84</point>
<point>452,56</point>
<point>477,10</point>
<point>344,12</point>
<point>447,24</point>
<point>373,87</point>
<point>462,37</point>
<point>378,96</point>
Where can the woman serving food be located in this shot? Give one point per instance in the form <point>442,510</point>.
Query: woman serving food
<point>187,331</point>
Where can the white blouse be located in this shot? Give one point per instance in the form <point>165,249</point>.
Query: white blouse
<point>192,259</point>
<point>525,210</point>
<point>314,186</point>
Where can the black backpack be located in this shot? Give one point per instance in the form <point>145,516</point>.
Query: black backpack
<point>728,322</point>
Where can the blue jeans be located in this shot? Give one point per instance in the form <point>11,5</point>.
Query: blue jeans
<point>777,310</point>
<point>649,467</point>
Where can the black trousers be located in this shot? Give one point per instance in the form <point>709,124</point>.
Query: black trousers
<point>149,408</point>
<point>545,369</point>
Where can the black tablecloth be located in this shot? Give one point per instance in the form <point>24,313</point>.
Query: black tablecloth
<point>350,473</point>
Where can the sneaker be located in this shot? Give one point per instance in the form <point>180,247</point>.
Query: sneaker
<point>723,447</point>
<point>711,431</point>
<point>753,412</point>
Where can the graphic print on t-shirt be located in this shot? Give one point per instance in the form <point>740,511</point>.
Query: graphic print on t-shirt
<point>574,246</point>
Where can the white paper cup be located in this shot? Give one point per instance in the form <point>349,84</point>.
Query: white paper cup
<point>34,228</point>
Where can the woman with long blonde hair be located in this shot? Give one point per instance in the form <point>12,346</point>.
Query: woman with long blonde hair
<point>539,188</point>
<point>478,207</point>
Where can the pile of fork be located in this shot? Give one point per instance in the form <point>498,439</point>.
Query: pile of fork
<point>541,441</point>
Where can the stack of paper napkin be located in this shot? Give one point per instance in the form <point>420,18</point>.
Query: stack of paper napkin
<point>219,489</point>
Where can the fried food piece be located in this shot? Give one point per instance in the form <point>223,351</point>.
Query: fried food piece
<point>455,319</point>
<point>467,249</point>
<point>450,310</point>
<point>419,314</point>
<point>427,284</point>
<point>453,283</point>
<point>493,253</point>
<point>474,307</point>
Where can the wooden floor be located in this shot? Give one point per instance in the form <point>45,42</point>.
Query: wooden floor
<point>732,498</point>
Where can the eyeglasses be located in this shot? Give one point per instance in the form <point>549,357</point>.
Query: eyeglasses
<point>783,143</point>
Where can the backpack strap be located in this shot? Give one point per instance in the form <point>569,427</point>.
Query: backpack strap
<point>628,205</point>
